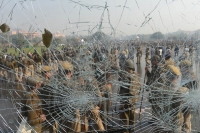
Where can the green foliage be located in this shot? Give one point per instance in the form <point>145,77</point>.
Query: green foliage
<point>175,38</point>
<point>4,38</point>
<point>157,35</point>
<point>99,36</point>
<point>59,40</point>
<point>36,40</point>
<point>19,40</point>
<point>71,40</point>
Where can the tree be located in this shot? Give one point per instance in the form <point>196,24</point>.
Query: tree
<point>71,40</point>
<point>175,38</point>
<point>4,39</point>
<point>157,35</point>
<point>19,40</point>
<point>59,40</point>
<point>36,40</point>
<point>99,36</point>
<point>182,35</point>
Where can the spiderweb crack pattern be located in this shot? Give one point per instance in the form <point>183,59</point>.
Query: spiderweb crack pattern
<point>101,95</point>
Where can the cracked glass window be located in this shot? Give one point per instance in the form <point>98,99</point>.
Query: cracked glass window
<point>99,66</point>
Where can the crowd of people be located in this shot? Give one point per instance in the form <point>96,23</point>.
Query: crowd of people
<point>52,88</point>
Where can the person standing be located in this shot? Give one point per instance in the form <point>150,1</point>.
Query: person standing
<point>65,73</point>
<point>113,59</point>
<point>32,108</point>
<point>157,52</point>
<point>168,102</point>
<point>147,58</point>
<point>106,92</point>
<point>129,93</point>
<point>152,51</point>
<point>131,53</point>
<point>190,81</point>
<point>122,58</point>
<point>46,95</point>
<point>38,62</point>
<point>139,55</point>
<point>176,50</point>
<point>155,73</point>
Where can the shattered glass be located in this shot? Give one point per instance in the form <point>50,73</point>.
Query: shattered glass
<point>77,52</point>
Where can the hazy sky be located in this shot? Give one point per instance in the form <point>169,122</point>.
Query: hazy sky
<point>125,17</point>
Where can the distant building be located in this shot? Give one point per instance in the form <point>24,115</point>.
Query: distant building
<point>35,34</point>
<point>32,34</point>
<point>14,32</point>
<point>58,34</point>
